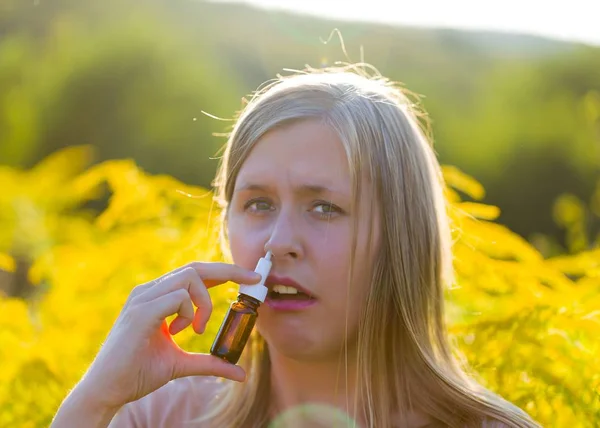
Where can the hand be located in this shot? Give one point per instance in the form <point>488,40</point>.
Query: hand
<point>139,354</point>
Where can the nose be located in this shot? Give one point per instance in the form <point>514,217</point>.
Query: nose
<point>285,241</point>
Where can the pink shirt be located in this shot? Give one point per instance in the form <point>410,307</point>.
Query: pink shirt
<point>174,405</point>
<point>180,401</point>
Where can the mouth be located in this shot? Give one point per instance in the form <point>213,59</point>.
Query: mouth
<point>282,289</point>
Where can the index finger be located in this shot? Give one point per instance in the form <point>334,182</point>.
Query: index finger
<point>222,273</point>
<point>190,279</point>
<point>213,274</point>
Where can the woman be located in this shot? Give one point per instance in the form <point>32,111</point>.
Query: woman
<point>331,172</point>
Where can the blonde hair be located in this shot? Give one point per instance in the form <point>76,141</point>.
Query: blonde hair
<point>406,362</point>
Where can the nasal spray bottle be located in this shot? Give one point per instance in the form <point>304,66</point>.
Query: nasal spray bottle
<point>241,316</point>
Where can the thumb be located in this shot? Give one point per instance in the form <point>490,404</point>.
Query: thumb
<point>191,364</point>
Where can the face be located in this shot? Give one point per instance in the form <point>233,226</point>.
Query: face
<point>293,196</point>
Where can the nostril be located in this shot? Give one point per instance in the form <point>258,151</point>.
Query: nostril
<point>285,249</point>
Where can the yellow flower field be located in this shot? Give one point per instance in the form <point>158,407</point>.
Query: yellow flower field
<point>528,326</point>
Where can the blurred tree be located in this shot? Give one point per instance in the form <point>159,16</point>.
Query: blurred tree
<point>129,86</point>
<point>132,80</point>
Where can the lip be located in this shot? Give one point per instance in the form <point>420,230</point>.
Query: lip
<point>273,280</point>
<point>288,305</point>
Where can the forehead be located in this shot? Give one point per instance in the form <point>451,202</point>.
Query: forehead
<point>308,151</point>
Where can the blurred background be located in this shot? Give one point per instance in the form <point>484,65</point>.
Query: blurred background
<point>112,112</point>
<point>518,107</point>
<point>519,112</point>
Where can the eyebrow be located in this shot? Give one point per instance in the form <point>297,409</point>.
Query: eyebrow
<point>311,189</point>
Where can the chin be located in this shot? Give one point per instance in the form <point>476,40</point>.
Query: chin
<point>290,344</point>
<point>301,345</point>
<point>297,344</point>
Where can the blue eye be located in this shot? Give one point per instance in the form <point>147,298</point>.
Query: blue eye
<point>326,209</point>
<point>322,209</point>
<point>258,206</point>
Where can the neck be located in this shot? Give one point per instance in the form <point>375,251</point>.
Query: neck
<point>298,383</point>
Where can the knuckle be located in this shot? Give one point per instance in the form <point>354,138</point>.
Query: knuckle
<point>136,294</point>
<point>135,291</point>
<point>131,301</point>
<point>196,266</point>
<point>133,313</point>
<point>190,273</point>
<point>139,289</point>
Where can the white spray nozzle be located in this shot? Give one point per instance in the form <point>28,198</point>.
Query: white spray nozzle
<point>259,291</point>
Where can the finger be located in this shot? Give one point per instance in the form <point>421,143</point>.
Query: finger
<point>217,273</point>
<point>205,270</point>
<point>142,288</point>
<point>184,318</point>
<point>190,364</point>
<point>189,280</point>
<point>213,274</point>
<point>176,302</point>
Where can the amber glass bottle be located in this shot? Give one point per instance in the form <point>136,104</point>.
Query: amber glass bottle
<point>236,328</point>
<point>241,316</point>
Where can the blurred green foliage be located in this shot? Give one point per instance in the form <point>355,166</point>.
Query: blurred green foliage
<point>522,114</point>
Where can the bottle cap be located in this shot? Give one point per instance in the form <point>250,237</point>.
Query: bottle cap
<point>259,291</point>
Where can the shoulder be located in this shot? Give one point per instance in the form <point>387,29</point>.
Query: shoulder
<point>178,401</point>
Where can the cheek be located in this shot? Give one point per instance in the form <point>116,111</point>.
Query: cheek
<point>331,252</point>
<point>340,275</point>
<point>246,244</point>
